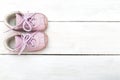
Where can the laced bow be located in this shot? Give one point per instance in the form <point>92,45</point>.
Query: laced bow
<point>27,40</point>
<point>27,22</point>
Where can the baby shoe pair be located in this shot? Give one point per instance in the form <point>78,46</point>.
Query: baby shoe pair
<point>28,30</point>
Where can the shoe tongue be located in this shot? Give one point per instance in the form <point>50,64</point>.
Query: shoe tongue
<point>18,41</point>
<point>18,19</point>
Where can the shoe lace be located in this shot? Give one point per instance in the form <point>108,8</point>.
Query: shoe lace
<point>27,22</point>
<point>27,39</point>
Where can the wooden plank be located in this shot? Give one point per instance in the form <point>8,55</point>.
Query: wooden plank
<point>65,10</point>
<point>59,67</point>
<point>77,38</point>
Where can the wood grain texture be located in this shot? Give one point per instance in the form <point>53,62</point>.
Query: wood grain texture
<point>65,10</point>
<point>67,38</point>
<point>77,38</point>
<point>59,67</point>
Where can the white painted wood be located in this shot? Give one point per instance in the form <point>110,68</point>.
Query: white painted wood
<point>59,67</point>
<point>65,9</point>
<point>78,38</point>
<point>67,38</point>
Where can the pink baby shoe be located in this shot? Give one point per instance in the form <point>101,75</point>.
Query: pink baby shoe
<point>26,42</point>
<point>26,21</point>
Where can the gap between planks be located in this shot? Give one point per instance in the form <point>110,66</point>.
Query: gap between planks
<point>86,21</point>
<point>66,54</point>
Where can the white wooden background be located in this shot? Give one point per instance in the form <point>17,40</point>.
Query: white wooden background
<point>68,34</point>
